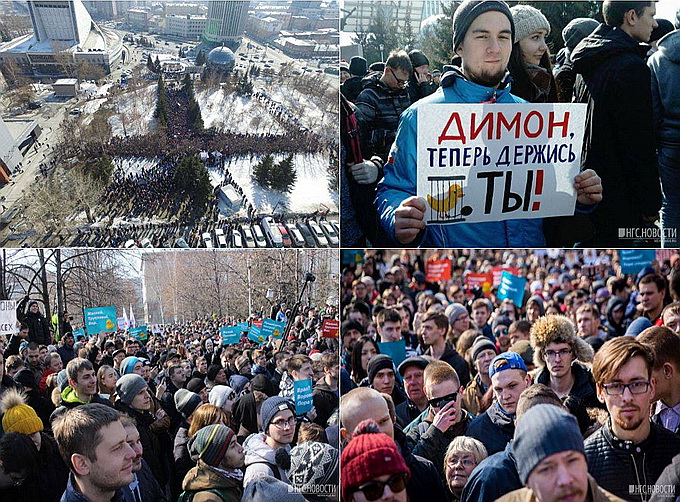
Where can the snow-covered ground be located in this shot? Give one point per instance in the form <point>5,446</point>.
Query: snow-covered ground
<point>310,191</point>
<point>305,109</point>
<point>131,165</point>
<point>133,112</point>
<point>235,113</point>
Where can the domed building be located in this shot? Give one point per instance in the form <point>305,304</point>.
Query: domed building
<point>220,60</point>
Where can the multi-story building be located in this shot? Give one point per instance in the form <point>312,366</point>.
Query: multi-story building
<point>264,27</point>
<point>359,13</point>
<point>187,27</point>
<point>226,22</point>
<point>138,17</point>
<point>64,38</point>
<point>184,9</point>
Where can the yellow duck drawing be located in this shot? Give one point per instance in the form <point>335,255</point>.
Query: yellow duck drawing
<point>443,206</point>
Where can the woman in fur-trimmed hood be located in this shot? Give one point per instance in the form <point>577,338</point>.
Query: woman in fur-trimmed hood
<point>569,369</point>
<point>558,329</point>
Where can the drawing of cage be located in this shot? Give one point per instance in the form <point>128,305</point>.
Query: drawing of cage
<point>446,199</point>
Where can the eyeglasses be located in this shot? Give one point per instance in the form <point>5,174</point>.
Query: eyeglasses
<point>551,354</point>
<point>282,424</point>
<point>618,388</point>
<point>373,490</point>
<point>503,331</point>
<point>465,461</point>
<point>440,402</point>
<point>399,81</point>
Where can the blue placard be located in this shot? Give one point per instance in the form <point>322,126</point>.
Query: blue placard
<point>100,319</point>
<point>139,332</point>
<point>396,350</point>
<point>353,256</point>
<point>78,334</point>
<point>244,327</point>
<point>230,334</point>
<point>302,392</point>
<point>273,328</point>
<point>512,287</point>
<point>634,260</point>
<point>255,334</point>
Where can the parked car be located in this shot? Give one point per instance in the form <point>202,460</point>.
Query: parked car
<point>146,243</point>
<point>319,237</point>
<point>220,239</point>
<point>236,240</point>
<point>296,236</point>
<point>260,240</point>
<point>331,234</point>
<point>287,242</point>
<point>247,237</point>
<point>207,240</point>
<point>306,235</point>
<point>272,232</point>
<point>181,243</point>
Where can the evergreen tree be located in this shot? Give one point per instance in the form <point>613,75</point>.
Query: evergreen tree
<point>150,65</point>
<point>161,112</point>
<point>102,169</point>
<point>200,59</point>
<point>408,37</point>
<point>157,65</point>
<point>191,176</point>
<point>283,175</point>
<point>381,31</point>
<point>263,169</point>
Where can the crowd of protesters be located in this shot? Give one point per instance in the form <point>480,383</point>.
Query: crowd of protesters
<point>571,393</point>
<point>629,166</point>
<point>175,417</point>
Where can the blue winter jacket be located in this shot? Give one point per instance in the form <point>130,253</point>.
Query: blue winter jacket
<point>400,181</point>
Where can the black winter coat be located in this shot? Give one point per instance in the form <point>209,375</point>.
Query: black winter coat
<point>48,481</point>
<point>456,361</point>
<point>616,464</point>
<point>615,82</point>
<point>495,476</point>
<point>183,462</point>
<point>493,428</point>
<point>325,402</point>
<point>425,482</point>
<point>351,88</point>
<point>38,326</point>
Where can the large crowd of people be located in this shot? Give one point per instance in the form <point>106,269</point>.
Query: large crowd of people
<point>567,389</point>
<point>628,183</point>
<point>176,416</point>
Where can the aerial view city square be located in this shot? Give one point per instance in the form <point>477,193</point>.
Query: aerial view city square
<point>168,124</point>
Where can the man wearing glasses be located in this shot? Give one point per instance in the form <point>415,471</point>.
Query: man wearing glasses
<point>628,453</point>
<point>557,352</point>
<point>278,426</point>
<point>445,420</point>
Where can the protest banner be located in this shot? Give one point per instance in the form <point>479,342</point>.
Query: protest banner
<point>665,254</point>
<point>257,323</point>
<point>498,272</point>
<point>303,395</point>
<point>634,260</point>
<point>79,334</point>
<point>512,287</point>
<point>437,270</point>
<point>139,332</point>
<point>230,334</point>
<point>156,329</point>
<point>255,334</point>
<point>98,319</point>
<point>482,280</point>
<point>243,326</point>
<point>494,162</point>
<point>396,350</point>
<point>8,317</point>
<point>355,256</point>
<point>330,328</point>
<point>122,323</point>
<point>270,327</point>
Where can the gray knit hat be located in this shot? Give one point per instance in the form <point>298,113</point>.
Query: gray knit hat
<point>454,311</point>
<point>528,20</point>
<point>577,30</point>
<point>313,464</point>
<point>186,402</point>
<point>271,407</point>
<point>469,10</point>
<point>545,429</point>
<point>128,386</point>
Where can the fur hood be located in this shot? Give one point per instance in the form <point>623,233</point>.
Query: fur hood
<point>558,329</point>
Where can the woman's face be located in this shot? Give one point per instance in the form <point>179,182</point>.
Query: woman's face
<point>208,345</point>
<point>367,351</point>
<point>109,379</point>
<point>533,312</point>
<point>533,47</point>
<point>458,468</point>
<point>617,314</point>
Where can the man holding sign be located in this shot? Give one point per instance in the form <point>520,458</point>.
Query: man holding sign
<point>483,37</point>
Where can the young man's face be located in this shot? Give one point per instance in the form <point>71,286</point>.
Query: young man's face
<point>560,476</point>
<point>480,316</point>
<point>443,389</point>
<point>507,386</point>
<point>142,401</point>
<point>390,331</point>
<point>384,381</point>
<point>33,357</point>
<point>87,382</point>
<point>349,338</point>
<point>486,49</point>
<point>628,410</point>
<point>235,456</point>
<point>431,332</point>
<point>306,371</point>
<point>502,335</point>
<point>374,408</point>
<point>118,358</point>
<point>650,297</point>
<point>672,322</point>
<point>587,324</point>
<point>133,441</point>
<point>282,427</point>
<point>558,358</point>
<point>644,24</point>
<point>114,462</point>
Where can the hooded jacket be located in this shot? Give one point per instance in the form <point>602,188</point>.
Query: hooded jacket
<point>400,181</point>
<point>613,328</point>
<point>325,402</point>
<point>456,361</point>
<point>665,70</point>
<point>203,477</point>
<point>38,326</point>
<point>615,464</point>
<point>494,428</point>
<point>615,82</point>
<point>69,400</point>
<point>258,455</point>
<point>597,494</point>
<point>495,476</point>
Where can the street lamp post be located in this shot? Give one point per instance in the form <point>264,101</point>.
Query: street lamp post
<point>382,54</point>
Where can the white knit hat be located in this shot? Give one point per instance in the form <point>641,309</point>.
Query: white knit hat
<point>528,20</point>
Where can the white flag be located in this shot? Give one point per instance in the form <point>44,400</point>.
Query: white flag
<point>132,318</point>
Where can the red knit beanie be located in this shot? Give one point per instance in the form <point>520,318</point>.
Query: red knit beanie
<point>369,455</point>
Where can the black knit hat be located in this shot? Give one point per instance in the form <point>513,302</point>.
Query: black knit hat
<point>418,58</point>
<point>213,371</point>
<point>377,363</point>
<point>196,385</point>
<point>358,66</point>
<point>471,10</point>
<point>26,378</point>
